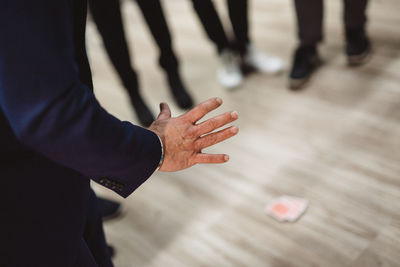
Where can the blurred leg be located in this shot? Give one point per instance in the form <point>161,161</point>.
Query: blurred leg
<point>211,22</point>
<point>358,46</point>
<point>229,73</point>
<point>305,59</point>
<point>155,19</point>
<point>355,13</point>
<point>238,13</point>
<point>107,16</point>
<point>309,21</point>
<point>252,58</point>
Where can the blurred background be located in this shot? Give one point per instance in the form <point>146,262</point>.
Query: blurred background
<point>335,143</point>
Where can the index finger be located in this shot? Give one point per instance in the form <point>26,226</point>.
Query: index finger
<point>211,158</point>
<point>202,109</point>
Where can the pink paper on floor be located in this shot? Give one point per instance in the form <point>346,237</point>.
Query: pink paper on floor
<point>287,208</point>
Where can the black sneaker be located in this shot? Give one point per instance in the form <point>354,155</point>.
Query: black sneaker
<point>358,47</point>
<point>305,62</point>
<point>181,96</point>
<point>109,209</point>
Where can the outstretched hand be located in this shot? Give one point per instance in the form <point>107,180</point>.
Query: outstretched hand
<point>183,139</point>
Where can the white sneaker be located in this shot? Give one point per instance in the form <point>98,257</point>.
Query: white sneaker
<point>229,73</point>
<point>262,62</point>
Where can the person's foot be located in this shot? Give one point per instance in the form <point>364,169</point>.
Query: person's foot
<point>358,47</point>
<point>178,90</point>
<point>143,113</point>
<point>229,73</point>
<point>305,62</point>
<point>261,61</point>
<point>109,209</point>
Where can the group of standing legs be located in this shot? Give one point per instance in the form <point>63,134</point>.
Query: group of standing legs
<point>233,53</point>
<point>107,17</point>
<point>310,31</point>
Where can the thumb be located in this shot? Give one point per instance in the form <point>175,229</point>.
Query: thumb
<point>165,112</point>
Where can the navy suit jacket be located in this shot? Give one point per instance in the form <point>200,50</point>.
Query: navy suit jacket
<point>54,136</point>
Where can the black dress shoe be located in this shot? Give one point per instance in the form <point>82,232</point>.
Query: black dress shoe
<point>143,113</point>
<point>358,47</point>
<point>305,62</point>
<point>181,96</point>
<point>109,209</point>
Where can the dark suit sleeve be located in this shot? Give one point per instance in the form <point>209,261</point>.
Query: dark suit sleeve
<point>52,112</point>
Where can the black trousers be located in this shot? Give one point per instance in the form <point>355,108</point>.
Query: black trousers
<point>310,16</point>
<point>93,233</point>
<point>238,14</point>
<point>107,17</point>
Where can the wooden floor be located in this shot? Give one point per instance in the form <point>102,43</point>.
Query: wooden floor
<point>337,144</point>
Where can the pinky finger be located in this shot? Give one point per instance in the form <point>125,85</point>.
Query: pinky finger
<point>211,158</point>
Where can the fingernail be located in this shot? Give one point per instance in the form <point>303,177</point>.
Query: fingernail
<point>235,115</point>
<point>234,129</point>
<point>219,100</point>
<point>226,157</point>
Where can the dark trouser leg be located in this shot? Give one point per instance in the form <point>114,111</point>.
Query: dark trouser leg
<point>154,16</point>
<point>107,16</point>
<point>355,13</point>
<point>357,42</point>
<point>94,235</point>
<point>211,22</point>
<point>155,19</point>
<point>238,13</point>
<point>309,21</point>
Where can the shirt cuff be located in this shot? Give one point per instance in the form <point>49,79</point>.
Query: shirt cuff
<point>162,153</point>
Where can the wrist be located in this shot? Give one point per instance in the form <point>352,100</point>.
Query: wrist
<point>162,152</point>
